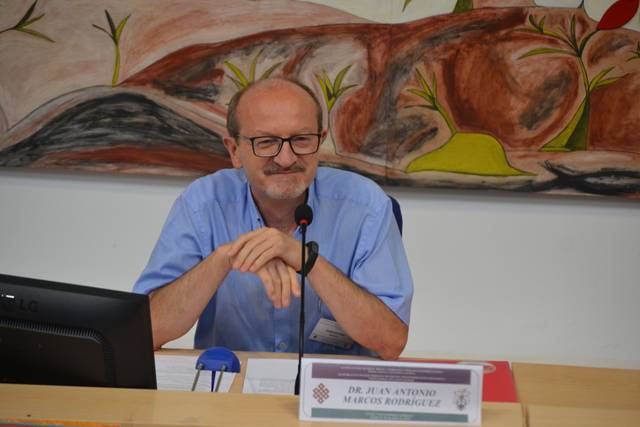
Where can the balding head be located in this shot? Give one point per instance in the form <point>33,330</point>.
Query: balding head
<point>267,88</point>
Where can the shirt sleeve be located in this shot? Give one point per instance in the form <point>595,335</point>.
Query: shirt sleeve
<point>177,251</point>
<point>381,265</point>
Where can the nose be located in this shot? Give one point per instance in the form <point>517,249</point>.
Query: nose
<point>286,157</point>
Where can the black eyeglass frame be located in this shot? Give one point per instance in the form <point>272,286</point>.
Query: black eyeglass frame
<point>252,139</point>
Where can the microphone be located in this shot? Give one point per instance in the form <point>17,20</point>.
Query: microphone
<point>303,217</point>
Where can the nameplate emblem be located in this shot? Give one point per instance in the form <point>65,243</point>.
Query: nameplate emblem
<point>390,392</point>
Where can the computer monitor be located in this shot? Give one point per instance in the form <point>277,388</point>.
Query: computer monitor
<point>62,334</point>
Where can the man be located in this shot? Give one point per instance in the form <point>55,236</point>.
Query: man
<point>230,248</point>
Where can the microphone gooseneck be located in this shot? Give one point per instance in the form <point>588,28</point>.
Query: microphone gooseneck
<point>303,217</point>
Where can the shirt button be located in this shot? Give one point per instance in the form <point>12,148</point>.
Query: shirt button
<point>282,346</point>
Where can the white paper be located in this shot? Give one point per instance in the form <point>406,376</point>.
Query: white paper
<point>178,373</point>
<point>270,376</point>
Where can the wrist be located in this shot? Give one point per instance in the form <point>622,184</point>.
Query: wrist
<point>311,249</point>
<point>222,255</point>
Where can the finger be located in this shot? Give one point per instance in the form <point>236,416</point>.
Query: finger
<point>277,285</point>
<point>282,247</point>
<point>247,248</point>
<point>247,257</point>
<point>285,282</point>
<point>265,277</point>
<point>238,244</point>
<point>295,286</point>
<point>268,254</point>
<point>268,245</point>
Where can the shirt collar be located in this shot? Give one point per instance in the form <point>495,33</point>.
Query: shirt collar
<point>311,194</point>
<point>254,213</point>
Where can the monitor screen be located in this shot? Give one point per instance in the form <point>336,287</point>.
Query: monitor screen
<point>61,334</point>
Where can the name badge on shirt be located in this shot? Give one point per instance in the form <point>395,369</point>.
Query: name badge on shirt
<point>329,332</point>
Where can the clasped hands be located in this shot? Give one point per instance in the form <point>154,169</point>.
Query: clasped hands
<point>273,256</point>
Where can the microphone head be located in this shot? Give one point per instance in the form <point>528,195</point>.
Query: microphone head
<point>303,215</point>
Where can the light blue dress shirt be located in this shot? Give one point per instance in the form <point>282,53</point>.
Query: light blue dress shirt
<point>355,229</point>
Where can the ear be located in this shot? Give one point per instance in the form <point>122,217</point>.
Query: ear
<point>323,136</point>
<point>232,147</point>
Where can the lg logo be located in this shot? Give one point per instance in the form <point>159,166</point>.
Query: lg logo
<point>11,303</point>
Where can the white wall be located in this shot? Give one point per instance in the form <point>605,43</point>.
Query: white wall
<point>504,276</point>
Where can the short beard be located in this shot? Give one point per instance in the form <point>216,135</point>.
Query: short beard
<point>292,191</point>
<point>288,194</point>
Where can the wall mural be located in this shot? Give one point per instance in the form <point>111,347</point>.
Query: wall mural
<point>530,96</point>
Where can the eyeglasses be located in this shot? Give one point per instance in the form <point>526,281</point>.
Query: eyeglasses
<point>270,146</point>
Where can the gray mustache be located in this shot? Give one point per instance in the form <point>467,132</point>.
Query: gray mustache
<point>272,169</point>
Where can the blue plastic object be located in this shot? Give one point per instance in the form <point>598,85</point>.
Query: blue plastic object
<point>218,359</point>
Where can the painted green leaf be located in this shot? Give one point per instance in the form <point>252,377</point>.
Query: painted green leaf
<point>565,35</point>
<point>329,86</point>
<point>545,51</point>
<point>563,38</point>
<point>333,91</point>
<point>111,24</point>
<point>107,33</point>
<point>269,70</point>
<point>425,86</point>
<point>27,15</point>
<point>573,39</point>
<point>114,34</point>
<point>35,34</point>
<point>340,77</point>
<point>463,6</point>
<point>343,90</point>
<point>598,77</point>
<point>406,3</point>
<point>239,85</point>
<point>585,40</point>
<point>574,136</point>
<point>238,72</point>
<point>120,28</point>
<point>31,21</point>
<point>27,20</point>
<point>421,94</point>
<point>241,81</point>
<point>541,23</point>
<point>527,30</point>
<point>323,87</point>
<point>607,82</point>
<point>102,29</point>
<point>252,67</point>
<point>431,96</point>
<point>434,86</point>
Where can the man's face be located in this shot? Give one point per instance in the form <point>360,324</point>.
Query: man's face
<point>275,109</point>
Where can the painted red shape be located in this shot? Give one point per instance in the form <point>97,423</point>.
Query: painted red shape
<point>618,14</point>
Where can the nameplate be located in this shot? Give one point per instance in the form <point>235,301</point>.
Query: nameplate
<point>390,392</point>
